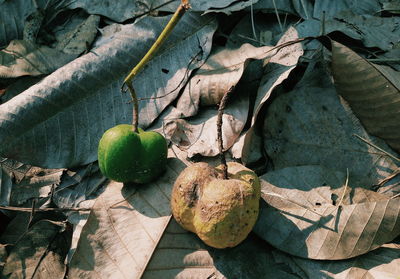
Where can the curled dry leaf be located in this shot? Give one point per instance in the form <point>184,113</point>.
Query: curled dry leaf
<point>222,70</point>
<point>199,134</point>
<point>306,216</point>
<point>276,71</point>
<point>37,183</point>
<point>372,91</point>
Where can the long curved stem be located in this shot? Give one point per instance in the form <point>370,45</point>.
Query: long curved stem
<point>221,108</point>
<point>183,7</point>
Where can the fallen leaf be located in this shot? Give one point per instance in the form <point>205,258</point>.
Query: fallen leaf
<point>333,8</point>
<point>37,183</point>
<point>222,70</point>
<point>21,58</point>
<point>78,186</point>
<point>39,252</point>
<point>79,39</point>
<point>81,100</point>
<point>380,263</point>
<point>373,31</point>
<point>276,71</point>
<point>303,9</point>
<point>307,216</point>
<point>181,254</point>
<point>124,227</point>
<point>199,134</point>
<point>372,91</point>
<point>311,125</point>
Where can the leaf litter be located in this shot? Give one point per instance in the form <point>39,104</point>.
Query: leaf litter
<point>304,133</point>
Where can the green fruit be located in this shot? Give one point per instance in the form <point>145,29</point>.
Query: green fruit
<point>222,212</point>
<point>128,156</point>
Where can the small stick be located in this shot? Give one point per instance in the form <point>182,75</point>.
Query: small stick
<point>377,147</point>
<point>219,131</point>
<point>29,209</point>
<point>346,184</point>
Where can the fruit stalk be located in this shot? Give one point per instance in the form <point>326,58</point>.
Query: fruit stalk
<point>221,108</point>
<point>183,7</point>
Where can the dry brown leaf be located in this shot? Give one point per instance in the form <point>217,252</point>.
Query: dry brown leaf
<point>310,125</point>
<point>372,91</point>
<point>21,58</point>
<point>306,216</point>
<point>39,253</point>
<point>124,227</point>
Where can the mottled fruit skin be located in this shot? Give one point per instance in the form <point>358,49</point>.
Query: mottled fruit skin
<point>126,156</point>
<point>221,212</point>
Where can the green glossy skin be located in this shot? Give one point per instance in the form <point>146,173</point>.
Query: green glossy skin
<point>126,156</point>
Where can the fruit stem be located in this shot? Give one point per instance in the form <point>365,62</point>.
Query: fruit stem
<point>221,108</point>
<point>135,116</point>
<point>183,7</point>
<point>180,11</point>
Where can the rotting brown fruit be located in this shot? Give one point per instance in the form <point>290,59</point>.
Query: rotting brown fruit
<point>222,212</point>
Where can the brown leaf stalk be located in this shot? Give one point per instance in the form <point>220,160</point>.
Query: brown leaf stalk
<point>221,108</point>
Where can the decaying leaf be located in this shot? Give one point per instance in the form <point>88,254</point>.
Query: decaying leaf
<point>21,58</point>
<point>79,39</point>
<point>39,253</point>
<point>124,227</point>
<point>372,91</point>
<point>312,213</point>
<point>37,183</point>
<point>77,186</point>
<point>380,263</point>
<point>276,71</point>
<point>222,70</point>
<point>181,254</point>
<point>310,125</point>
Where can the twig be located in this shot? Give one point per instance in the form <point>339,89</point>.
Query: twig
<point>277,15</point>
<point>345,189</point>
<point>221,108</point>
<point>377,147</point>
<point>29,209</point>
